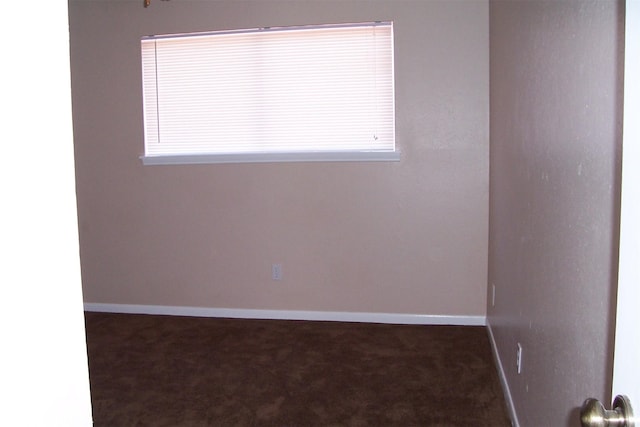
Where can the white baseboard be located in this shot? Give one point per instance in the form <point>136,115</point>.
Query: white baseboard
<point>337,316</point>
<point>503,379</point>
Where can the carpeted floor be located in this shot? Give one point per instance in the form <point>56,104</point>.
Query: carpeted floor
<point>184,371</point>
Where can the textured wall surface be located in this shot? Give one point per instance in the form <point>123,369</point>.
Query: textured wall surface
<point>556,80</point>
<point>406,237</point>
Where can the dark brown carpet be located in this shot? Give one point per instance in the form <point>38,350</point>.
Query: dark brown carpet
<point>183,371</point>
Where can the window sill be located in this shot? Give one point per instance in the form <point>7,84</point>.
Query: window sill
<point>198,159</point>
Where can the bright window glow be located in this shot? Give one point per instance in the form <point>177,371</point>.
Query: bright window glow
<point>321,89</point>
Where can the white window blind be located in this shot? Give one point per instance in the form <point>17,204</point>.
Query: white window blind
<point>320,89</point>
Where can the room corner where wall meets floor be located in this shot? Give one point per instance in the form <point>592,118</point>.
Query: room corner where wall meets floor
<point>388,318</point>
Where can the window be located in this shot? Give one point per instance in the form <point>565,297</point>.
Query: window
<point>270,94</point>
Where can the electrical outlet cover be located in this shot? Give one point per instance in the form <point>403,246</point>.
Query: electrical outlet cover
<point>276,271</point>
<point>519,358</point>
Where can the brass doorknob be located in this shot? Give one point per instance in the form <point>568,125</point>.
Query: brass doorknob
<point>593,413</point>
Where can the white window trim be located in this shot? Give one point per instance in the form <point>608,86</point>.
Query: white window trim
<point>342,156</point>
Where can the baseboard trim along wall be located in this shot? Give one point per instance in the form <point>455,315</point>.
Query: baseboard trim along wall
<point>503,379</point>
<point>336,316</point>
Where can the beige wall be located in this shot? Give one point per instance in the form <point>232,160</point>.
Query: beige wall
<point>556,80</point>
<point>407,237</point>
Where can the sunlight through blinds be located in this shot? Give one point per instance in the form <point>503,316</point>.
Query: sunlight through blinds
<point>280,90</point>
